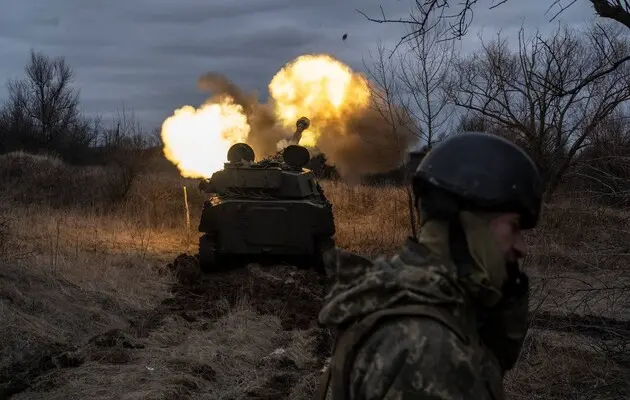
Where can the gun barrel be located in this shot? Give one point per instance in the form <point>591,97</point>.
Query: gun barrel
<point>301,125</point>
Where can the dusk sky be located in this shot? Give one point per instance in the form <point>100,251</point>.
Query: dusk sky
<point>148,54</point>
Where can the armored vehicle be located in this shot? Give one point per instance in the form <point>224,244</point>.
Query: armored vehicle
<point>273,207</point>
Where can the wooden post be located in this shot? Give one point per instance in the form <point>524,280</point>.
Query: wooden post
<point>187,219</point>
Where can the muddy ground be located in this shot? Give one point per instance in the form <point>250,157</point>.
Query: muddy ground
<point>291,295</point>
<point>161,354</point>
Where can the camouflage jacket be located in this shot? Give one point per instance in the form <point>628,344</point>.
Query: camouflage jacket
<point>407,330</point>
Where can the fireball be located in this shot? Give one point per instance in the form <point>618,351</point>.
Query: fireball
<point>321,87</point>
<point>197,140</point>
<point>318,86</point>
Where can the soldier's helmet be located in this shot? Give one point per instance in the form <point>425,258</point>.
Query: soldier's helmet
<point>483,171</point>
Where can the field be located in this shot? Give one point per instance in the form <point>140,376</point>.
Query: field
<point>103,300</point>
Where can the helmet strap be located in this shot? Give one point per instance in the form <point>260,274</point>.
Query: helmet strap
<point>459,250</point>
<point>441,205</point>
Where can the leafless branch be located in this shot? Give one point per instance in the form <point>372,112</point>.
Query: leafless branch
<point>461,15</point>
<point>513,89</point>
<point>42,110</point>
<point>422,72</point>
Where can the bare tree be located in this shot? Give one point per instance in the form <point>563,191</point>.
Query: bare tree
<point>124,127</point>
<point>603,169</point>
<point>616,10</point>
<point>386,91</point>
<point>473,122</point>
<point>46,101</point>
<point>124,143</point>
<point>42,111</point>
<point>460,15</point>
<point>156,137</point>
<point>513,90</point>
<point>16,129</point>
<point>422,72</point>
<point>389,102</point>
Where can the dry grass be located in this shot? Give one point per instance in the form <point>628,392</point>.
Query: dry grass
<point>228,361</point>
<point>369,220</point>
<point>74,266</point>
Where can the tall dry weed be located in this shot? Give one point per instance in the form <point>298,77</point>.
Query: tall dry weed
<point>88,263</point>
<point>46,180</point>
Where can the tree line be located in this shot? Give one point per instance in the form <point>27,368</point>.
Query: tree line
<point>562,96</point>
<point>42,114</point>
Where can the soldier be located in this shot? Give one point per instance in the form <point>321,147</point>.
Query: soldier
<point>446,316</point>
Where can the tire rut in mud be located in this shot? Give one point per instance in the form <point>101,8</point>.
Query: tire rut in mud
<point>610,336</point>
<point>19,375</point>
<point>587,325</point>
<point>291,294</point>
<point>110,347</point>
<point>294,295</point>
<point>200,299</point>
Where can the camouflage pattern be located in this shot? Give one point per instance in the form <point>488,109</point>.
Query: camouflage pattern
<point>415,356</point>
<point>420,358</point>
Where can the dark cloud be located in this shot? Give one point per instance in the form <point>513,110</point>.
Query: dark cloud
<point>269,43</point>
<point>149,54</point>
<point>199,12</point>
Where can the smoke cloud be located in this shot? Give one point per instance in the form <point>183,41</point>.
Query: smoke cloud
<point>266,132</point>
<point>364,143</point>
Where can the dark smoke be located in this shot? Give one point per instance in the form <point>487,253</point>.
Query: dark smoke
<point>369,145</point>
<point>365,144</point>
<point>266,132</point>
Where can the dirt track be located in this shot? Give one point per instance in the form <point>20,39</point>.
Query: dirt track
<point>200,300</point>
<point>292,295</point>
<point>191,319</point>
<point>295,298</point>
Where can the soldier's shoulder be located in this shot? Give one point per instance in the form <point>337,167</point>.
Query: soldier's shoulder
<point>415,331</point>
<point>412,354</point>
<point>343,264</point>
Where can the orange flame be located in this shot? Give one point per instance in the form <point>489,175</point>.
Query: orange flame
<point>317,86</point>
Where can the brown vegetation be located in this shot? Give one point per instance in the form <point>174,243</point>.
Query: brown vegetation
<point>101,296</point>
<point>94,306</point>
